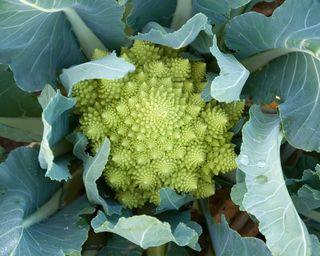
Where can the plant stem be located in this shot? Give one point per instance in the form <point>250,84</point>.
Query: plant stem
<point>157,251</point>
<point>205,210</point>
<point>182,13</point>
<point>44,211</point>
<point>87,39</point>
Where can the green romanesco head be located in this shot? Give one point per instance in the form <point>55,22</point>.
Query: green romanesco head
<point>162,133</point>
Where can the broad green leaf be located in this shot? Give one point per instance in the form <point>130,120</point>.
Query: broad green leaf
<point>30,223</point>
<point>109,67</point>
<point>14,101</point>
<point>291,31</point>
<point>146,231</point>
<point>228,85</point>
<point>170,200</point>
<point>157,34</point>
<point>217,11</point>
<point>267,197</point>
<point>304,162</point>
<point>20,112</point>
<point>144,11</point>
<point>228,242</point>
<point>23,129</point>
<point>175,250</point>
<point>305,192</point>
<point>118,246</point>
<point>295,79</point>
<point>38,37</point>
<point>55,118</point>
<point>93,169</point>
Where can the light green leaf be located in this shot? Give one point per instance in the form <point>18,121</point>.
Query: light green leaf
<point>293,31</point>
<point>109,67</point>
<point>36,38</point>
<point>315,245</point>
<point>30,223</point>
<point>93,169</point>
<point>118,246</point>
<point>157,34</point>
<point>267,197</point>
<point>146,231</point>
<point>55,118</point>
<point>228,242</point>
<point>228,85</point>
<point>237,194</point>
<point>144,11</point>
<point>170,200</point>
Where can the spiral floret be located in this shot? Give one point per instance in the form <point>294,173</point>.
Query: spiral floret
<point>162,133</point>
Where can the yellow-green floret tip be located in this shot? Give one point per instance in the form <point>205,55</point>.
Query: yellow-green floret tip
<point>162,133</point>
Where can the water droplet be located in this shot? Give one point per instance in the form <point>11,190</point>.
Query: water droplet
<point>261,164</point>
<point>262,179</point>
<point>244,159</point>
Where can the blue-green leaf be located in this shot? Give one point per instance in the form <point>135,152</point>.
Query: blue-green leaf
<point>306,190</point>
<point>157,34</point>
<point>170,200</point>
<point>146,231</point>
<point>55,118</point>
<point>267,197</point>
<point>109,67</point>
<point>36,37</point>
<point>17,102</point>
<point>295,79</point>
<point>228,85</point>
<point>291,31</point>
<point>29,222</point>
<point>144,11</point>
<point>217,11</point>
<point>118,246</point>
<point>228,242</point>
<point>93,168</point>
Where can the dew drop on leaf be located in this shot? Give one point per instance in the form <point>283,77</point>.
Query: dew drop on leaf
<point>244,159</point>
<point>261,164</point>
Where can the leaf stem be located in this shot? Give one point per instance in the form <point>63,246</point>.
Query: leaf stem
<point>313,215</point>
<point>182,13</point>
<point>87,39</point>
<point>44,211</point>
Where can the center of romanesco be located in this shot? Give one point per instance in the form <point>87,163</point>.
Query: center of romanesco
<point>162,133</point>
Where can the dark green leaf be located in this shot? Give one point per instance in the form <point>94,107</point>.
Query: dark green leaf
<point>144,11</point>
<point>29,222</point>
<point>36,38</point>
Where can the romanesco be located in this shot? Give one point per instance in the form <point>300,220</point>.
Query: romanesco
<point>162,133</point>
